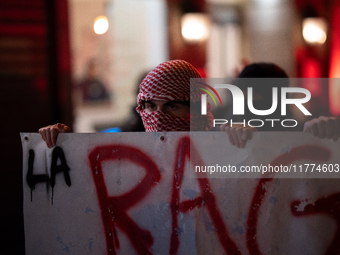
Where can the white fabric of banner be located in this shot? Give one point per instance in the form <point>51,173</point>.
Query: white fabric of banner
<point>138,193</point>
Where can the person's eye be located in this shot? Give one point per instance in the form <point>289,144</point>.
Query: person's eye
<point>173,107</point>
<point>150,106</point>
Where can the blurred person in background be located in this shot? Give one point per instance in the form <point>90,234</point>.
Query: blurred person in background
<point>92,88</point>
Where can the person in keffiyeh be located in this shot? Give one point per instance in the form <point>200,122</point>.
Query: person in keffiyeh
<point>164,100</point>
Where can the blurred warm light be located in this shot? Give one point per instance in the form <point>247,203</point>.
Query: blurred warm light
<point>195,27</point>
<point>101,25</point>
<point>267,2</point>
<point>314,30</point>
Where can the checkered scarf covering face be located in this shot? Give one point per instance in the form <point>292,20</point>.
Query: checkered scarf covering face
<point>170,81</point>
<point>159,121</point>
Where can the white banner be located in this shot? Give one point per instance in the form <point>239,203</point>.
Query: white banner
<point>137,193</point>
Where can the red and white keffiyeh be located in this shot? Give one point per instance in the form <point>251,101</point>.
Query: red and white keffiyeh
<point>158,121</point>
<point>170,81</point>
